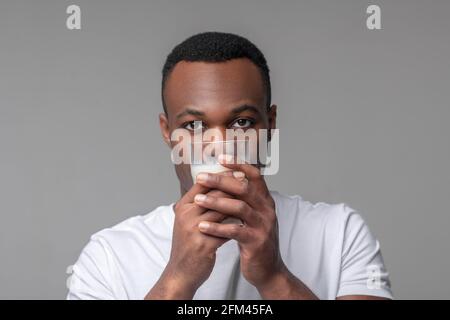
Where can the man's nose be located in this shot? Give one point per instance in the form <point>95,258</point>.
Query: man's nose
<point>216,133</point>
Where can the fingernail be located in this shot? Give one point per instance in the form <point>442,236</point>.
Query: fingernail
<point>225,158</point>
<point>200,197</point>
<point>203,225</point>
<point>238,174</point>
<point>202,177</point>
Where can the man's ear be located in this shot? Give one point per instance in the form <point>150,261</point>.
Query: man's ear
<point>272,117</point>
<point>164,126</point>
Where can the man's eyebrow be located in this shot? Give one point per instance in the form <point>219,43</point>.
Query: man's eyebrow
<point>191,112</point>
<point>246,107</point>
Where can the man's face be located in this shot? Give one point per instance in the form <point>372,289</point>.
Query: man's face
<point>223,95</point>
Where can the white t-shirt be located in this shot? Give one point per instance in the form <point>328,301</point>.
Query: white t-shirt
<point>328,247</point>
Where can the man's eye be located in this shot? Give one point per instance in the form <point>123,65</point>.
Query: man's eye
<point>242,123</point>
<point>194,125</point>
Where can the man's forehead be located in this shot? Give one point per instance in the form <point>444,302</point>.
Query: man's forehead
<point>210,83</point>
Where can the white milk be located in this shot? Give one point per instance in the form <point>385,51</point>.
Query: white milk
<point>210,168</point>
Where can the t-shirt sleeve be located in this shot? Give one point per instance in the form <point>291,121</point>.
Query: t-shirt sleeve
<point>362,267</point>
<point>91,274</point>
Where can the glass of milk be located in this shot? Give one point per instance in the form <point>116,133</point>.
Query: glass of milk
<point>208,162</point>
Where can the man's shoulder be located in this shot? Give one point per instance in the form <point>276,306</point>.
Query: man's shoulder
<point>137,227</point>
<point>296,209</point>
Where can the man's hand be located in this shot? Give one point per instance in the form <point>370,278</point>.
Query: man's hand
<point>253,204</point>
<point>261,262</point>
<point>193,253</point>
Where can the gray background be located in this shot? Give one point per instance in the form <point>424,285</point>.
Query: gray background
<point>363,117</point>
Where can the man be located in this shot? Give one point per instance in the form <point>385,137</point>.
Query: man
<point>286,247</point>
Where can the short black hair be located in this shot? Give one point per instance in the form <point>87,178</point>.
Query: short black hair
<point>216,47</point>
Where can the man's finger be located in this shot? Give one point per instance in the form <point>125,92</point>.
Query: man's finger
<point>227,184</point>
<point>213,216</point>
<point>189,196</point>
<point>237,232</point>
<point>233,207</point>
<point>250,171</point>
<point>198,188</point>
